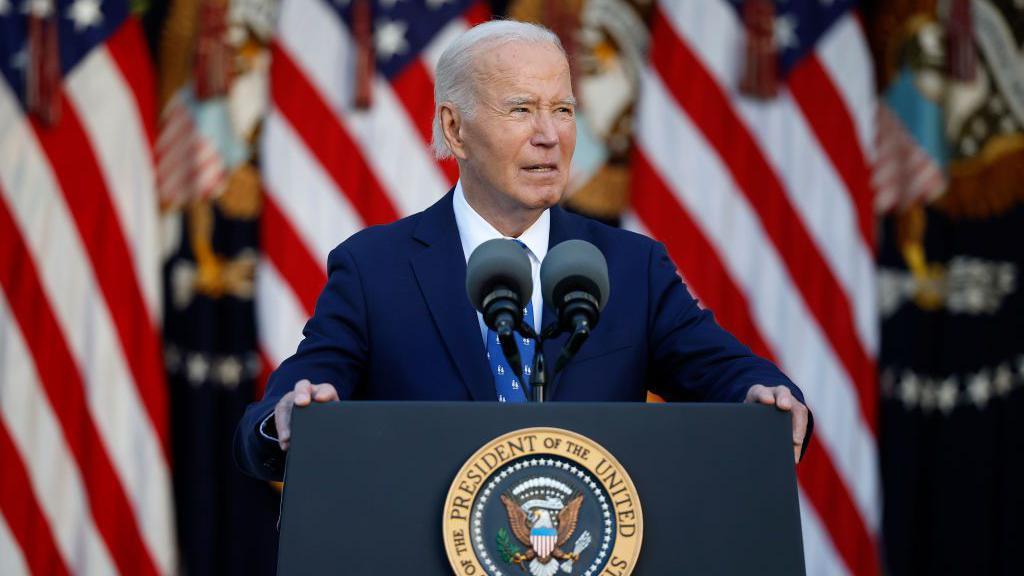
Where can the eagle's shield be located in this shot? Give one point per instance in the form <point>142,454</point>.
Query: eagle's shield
<point>543,540</point>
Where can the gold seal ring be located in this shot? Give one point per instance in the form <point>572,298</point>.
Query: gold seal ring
<point>540,495</point>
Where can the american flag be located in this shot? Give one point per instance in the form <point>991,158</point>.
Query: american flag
<point>331,167</point>
<point>766,207</point>
<point>85,484</point>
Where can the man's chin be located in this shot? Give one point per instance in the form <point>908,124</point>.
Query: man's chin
<point>543,196</point>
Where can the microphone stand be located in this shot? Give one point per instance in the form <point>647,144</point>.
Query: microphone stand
<point>538,369</point>
<point>577,336</point>
<point>538,377</point>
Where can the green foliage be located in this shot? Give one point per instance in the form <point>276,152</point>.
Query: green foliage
<point>506,547</point>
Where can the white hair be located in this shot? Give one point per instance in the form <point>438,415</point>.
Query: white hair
<point>453,77</point>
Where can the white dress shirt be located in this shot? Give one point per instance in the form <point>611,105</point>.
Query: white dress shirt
<point>474,231</point>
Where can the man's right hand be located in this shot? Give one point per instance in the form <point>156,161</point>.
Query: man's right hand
<point>303,394</point>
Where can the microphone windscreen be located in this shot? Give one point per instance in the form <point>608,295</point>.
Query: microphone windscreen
<point>574,265</point>
<point>498,262</point>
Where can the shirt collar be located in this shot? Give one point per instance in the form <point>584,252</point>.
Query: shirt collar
<point>474,230</point>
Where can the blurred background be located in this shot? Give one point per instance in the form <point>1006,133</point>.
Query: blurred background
<point>840,182</point>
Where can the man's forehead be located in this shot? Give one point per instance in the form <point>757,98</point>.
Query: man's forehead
<point>521,58</point>
<point>517,70</point>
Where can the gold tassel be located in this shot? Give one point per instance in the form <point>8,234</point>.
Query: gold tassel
<point>963,60</point>
<point>362,28</point>
<point>760,70</point>
<point>43,81</point>
<point>213,54</point>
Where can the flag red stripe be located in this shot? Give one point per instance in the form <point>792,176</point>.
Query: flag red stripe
<point>128,49</point>
<point>699,263</point>
<point>286,250</point>
<point>693,255</point>
<point>325,138</point>
<point>477,13</point>
<point>702,98</point>
<point>827,491</point>
<point>830,119</point>
<point>65,390</point>
<point>175,129</point>
<point>20,508</point>
<point>411,85</point>
<point>98,225</point>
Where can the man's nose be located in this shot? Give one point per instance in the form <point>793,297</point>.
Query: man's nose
<point>544,132</point>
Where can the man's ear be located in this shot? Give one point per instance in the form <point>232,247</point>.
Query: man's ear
<point>451,127</point>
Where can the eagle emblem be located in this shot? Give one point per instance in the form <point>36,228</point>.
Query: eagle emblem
<point>539,502</point>
<point>543,514</point>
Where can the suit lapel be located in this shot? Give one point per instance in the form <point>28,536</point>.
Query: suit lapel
<point>440,270</point>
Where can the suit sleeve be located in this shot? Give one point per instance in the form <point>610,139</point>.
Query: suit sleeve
<point>333,350</point>
<point>695,359</point>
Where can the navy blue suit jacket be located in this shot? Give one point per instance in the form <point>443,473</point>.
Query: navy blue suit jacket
<point>394,323</point>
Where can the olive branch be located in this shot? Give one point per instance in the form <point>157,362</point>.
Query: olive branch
<point>506,547</point>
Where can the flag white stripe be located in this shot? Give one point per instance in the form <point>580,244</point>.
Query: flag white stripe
<point>114,127</point>
<point>321,47</point>
<point>281,316</point>
<point>815,191</point>
<point>176,120</point>
<point>630,221</point>
<point>12,561</point>
<point>820,556</point>
<point>197,171</point>
<point>731,225</point>
<point>210,172</point>
<point>79,306</point>
<point>51,468</point>
<point>191,149</point>
<point>844,54</point>
<point>320,213</point>
<point>823,202</point>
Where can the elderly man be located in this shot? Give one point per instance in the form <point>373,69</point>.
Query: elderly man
<point>393,321</point>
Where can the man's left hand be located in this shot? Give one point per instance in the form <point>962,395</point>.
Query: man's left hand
<point>783,399</point>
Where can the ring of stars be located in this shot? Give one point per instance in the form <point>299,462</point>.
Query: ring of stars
<point>580,474</point>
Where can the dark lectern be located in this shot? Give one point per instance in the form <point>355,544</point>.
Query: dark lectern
<point>366,484</point>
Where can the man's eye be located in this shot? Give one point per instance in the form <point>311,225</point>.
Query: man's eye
<point>520,109</point>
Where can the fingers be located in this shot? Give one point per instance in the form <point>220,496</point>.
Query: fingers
<point>782,398</point>
<point>760,394</point>
<point>778,396</point>
<point>325,393</point>
<point>283,419</point>
<point>303,394</point>
<point>800,417</point>
<point>307,392</point>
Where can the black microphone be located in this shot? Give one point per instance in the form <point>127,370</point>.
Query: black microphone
<point>574,280</point>
<point>499,283</point>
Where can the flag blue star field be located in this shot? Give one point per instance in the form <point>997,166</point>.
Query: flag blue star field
<point>85,484</point>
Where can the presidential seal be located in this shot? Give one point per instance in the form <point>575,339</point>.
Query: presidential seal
<point>542,501</point>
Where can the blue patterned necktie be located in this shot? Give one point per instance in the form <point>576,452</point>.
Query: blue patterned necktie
<point>507,385</point>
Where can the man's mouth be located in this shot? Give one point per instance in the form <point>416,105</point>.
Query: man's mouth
<point>541,168</point>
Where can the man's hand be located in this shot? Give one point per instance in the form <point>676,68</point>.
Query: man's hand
<point>782,398</point>
<point>303,394</point>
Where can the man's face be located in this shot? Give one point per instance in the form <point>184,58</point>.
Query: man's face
<point>519,140</point>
